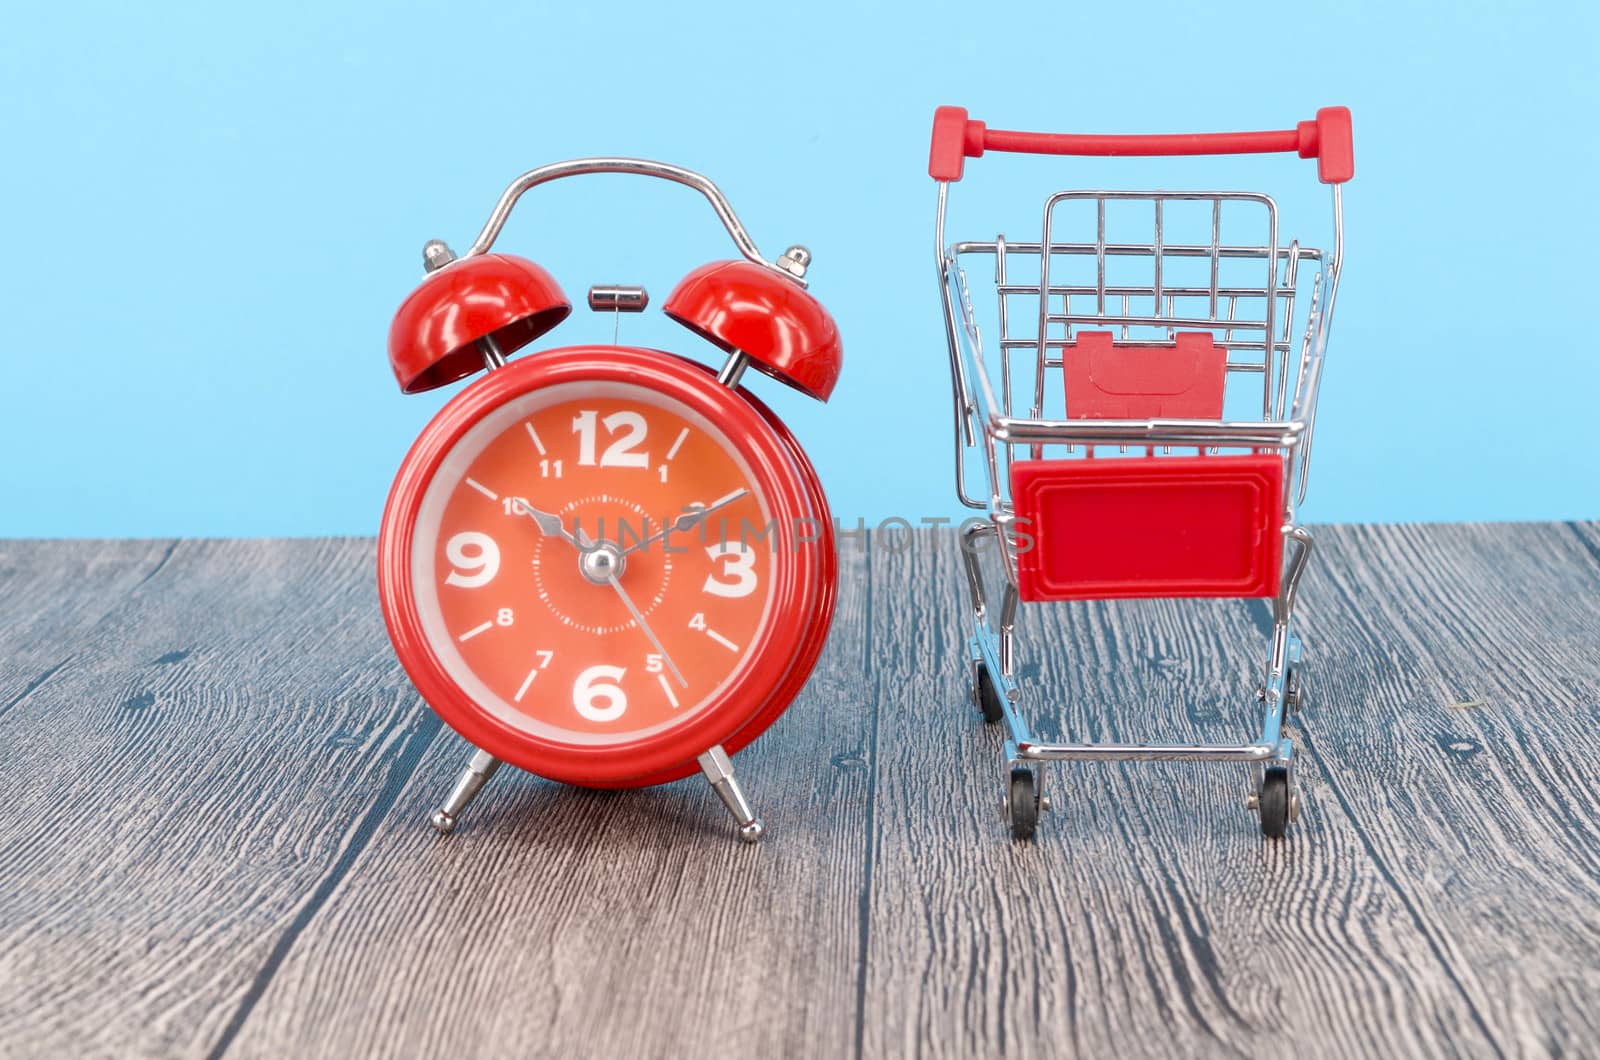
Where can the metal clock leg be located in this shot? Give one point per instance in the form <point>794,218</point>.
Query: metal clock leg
<point>471,781</point>
<point>718,768</point>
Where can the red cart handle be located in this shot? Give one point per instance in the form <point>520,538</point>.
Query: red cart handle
<point>1326,138</point>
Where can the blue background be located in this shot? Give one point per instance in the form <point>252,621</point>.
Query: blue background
<point>210,214</point>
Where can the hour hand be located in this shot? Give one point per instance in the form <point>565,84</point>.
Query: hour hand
<point>687,521</point>
<point>549,522</point>
<point>693,517</point>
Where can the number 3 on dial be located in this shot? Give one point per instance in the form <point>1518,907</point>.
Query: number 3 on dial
<point>740,565</point>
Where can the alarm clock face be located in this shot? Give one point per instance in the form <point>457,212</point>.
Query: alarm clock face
<point>637,607</point>
<point>602,568</point>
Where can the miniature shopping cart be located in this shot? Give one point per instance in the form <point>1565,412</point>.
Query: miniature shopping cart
<point>1142,389</point>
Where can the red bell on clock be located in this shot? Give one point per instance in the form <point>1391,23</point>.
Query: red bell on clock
<point>495,299</point>
<point>608,565</point>
<point>747,309</point>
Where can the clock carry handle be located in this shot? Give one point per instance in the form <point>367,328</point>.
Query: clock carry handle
<point>639,167</point>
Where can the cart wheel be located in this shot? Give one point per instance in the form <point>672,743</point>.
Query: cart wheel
<point>1024,804</point>
<point>1293,690</point>
<point>1274,802</point>
<point>988,696</point>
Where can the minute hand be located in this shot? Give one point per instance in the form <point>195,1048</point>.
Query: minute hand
<point>611,580</point>
<point>687,521</point>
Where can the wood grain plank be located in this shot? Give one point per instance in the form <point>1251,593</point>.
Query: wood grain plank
<point>1461,734</point>
<point>217,837</point>
<point>51,592</point>
<point>558,921</point>
<point>182,793</point>
<point>1588,535</point>
<point>1150,915</point>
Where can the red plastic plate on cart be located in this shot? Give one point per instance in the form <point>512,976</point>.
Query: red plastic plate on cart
<point>1107,381</point>
<point>1111,528</point>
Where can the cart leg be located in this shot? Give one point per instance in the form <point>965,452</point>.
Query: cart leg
<point>718,769</point>
<point>1008,621</point>
<point>969,559</point>
<point>989,651</point>
<point>1274,796</point>
<point>471,781</point>
<point>1022,797</point>
<point>1285,645</point>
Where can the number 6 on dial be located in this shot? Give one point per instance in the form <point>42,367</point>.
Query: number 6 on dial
<point>598,685</point>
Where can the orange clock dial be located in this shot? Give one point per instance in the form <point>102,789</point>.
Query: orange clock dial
<point>591,562</point>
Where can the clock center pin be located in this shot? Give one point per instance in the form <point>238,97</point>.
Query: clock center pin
<point>601,563</point>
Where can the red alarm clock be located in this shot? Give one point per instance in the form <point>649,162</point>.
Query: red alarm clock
<point>608,565</point>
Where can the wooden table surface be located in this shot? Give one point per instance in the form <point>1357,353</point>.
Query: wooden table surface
<point>216,781</point>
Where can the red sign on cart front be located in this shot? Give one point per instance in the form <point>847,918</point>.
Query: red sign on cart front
<point>1150,526</point>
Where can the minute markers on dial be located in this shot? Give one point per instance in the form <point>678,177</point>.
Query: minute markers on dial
<point>538,443</point>
<point>481,488</point>
<point>544,658</point>
<point>648,585</point>
<point>677,443</point>
<point>667,688</point>
<point>720,639</point>
<point>474,631</point>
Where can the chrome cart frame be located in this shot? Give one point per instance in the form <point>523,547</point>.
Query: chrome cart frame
<point>1254,320</point>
